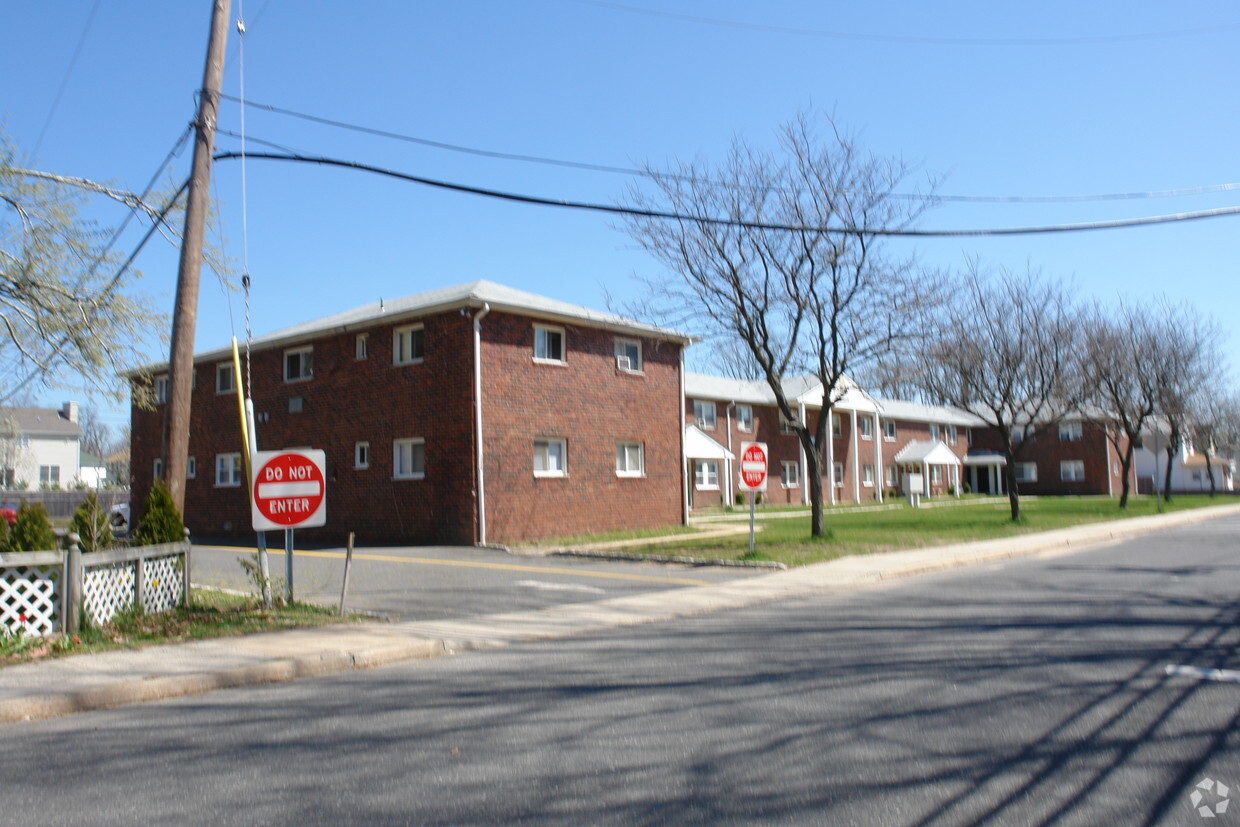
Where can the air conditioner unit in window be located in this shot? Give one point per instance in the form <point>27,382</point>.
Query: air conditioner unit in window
<point>624,363</point>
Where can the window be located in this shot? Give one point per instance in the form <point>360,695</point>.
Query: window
<point>867,475</point>
<point>744,418</point>
<point>549,455</point>
<point>630,459</point>
<point>548,344</point>
<point>161,389</point>
<point>889,431</point>
<point>298,364</point>
<point>227,470</point>
<point>1198,476</point>
<point>951,434</point>
<point>866,426</point>
<point>191,468</point>
<point>408,459</point>
<point>49,475</point>
<point>789,474</point>
<point>225,378</point>
<point>361,346</point>
<point>936,474</point>
<point>629,355</point>
<point>706,473</point>
<point>704,414</point>
<point>837,426</point>
<point>1069,431</point>
<point>837,473</point>
<point>1072,470</point>
<point>295,404</point>
<point>891,476</point>
<point>361,455</point>
<point>934,432</point>
<point>408,345</point>
<point>158,469</point>
<point>1026,472</point>
<point>787,426</point>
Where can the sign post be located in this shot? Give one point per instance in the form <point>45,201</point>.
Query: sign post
<point>289,491</point>
<point>753,477</point>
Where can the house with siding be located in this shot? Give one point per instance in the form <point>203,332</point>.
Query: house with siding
<point>464,415</point>
<point>40,447</point>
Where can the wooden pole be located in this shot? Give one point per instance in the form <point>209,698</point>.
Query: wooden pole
<point>185,310</point>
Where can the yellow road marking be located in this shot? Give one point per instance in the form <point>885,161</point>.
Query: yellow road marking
<point>428,561</point>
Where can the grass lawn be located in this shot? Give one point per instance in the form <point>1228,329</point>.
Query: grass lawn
<point>853,531</point>
<point>212,614</point>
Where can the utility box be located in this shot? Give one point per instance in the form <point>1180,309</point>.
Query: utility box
<point>914,485</point>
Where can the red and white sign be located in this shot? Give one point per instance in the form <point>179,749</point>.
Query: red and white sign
<point>289,490</point>
<point>753,466</point>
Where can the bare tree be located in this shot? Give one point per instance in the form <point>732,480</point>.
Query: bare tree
<point>777,253</point>
<point>13,451</point>
<point>1215,428</point>
<point>1191,343</point>
<point>66,318</point>
<point>1005,351</point>
<point>1124,365</point>
<point>96,434</point>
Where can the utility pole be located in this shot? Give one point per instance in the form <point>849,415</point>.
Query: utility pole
<point>185,311</point>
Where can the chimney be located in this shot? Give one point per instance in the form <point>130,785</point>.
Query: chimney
<point>70,411</point>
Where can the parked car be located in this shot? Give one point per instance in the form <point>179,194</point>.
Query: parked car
<point>118,518</point>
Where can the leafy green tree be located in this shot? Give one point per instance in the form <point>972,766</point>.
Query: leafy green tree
<point>90,523</point>
<point>161,522</point>
<point>4,536</point>
<point>32,531</point>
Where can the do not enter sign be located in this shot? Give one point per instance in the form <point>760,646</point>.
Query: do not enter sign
<point>753,466</point>
<point>288,490</point>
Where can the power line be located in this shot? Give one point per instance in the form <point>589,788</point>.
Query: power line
<point>756,225</point>
<point>633,171</point>
<point>909,39</point>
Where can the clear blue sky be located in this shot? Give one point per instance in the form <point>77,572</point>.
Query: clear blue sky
<point>995,99</point>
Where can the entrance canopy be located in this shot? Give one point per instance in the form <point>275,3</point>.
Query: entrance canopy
<point>927,452</point>
<point>700,446</point>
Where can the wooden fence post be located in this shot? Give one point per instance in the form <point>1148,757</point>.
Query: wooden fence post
<point>73,586</point>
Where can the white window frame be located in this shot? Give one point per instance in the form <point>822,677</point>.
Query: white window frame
<point>159,389</point>
<point>305,363</point>
<point>700,408</point>
<point>228,470</point>
<point>790,474</point>
<point>541,342</point>
<point>867,475</point>
<point>1072,470</point>
<point>1025,472</point>
<point>936,474</point>
<point>837,473</point>
<point>403,339</point>
<point>706,474</point>
<point>1071,431</point>
<point>361,347</point>
<point>952,434</point>
<point>225,378</point>
<point>934,431</point>
<point>891,475</point>
<point>632,350</point>
<point>403,455</point>
<point>45,475</point>
<point>191,468</point>
<point>837,426</point>
<point>361,455</point>
<point>866,426</point>
<point>889,430</point>
<point>744,422</point>
<point>543,453</point>
<point>630,459</point>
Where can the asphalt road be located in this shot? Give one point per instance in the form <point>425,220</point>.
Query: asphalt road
<point>1030,692</point>
<point>440,582</point>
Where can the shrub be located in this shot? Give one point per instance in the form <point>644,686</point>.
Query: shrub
<point>32,531</point>
<point>4,536</point>
<point>161,522</point>
<point>90,523</point>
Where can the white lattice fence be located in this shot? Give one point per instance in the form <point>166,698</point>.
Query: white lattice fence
<point>163,583</point>
<point>30,593</point>
<point>107,590</point>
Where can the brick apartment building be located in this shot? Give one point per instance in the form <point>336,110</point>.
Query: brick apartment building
<point>1073,457</point>
<point>579,414</point>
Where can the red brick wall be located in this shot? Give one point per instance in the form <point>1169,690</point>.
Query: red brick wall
<point>591,404</point>
<point>1047,450</point>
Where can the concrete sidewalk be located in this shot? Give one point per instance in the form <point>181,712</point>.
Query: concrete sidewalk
<point>54,687</point>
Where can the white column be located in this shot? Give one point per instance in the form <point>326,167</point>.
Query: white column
<point>856,454</point>
<point>828,413</point>
<point>879,470</point>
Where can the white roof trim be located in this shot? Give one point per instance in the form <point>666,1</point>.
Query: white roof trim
<point>931,452</point>
<point>698,445</point>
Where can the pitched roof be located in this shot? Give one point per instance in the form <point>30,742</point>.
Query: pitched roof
<point>932,452</point>
<point>474,294</point>
<point>44,422</point>
<point>798,389</point>
<point>917,412</point>
<point>700,445</point>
